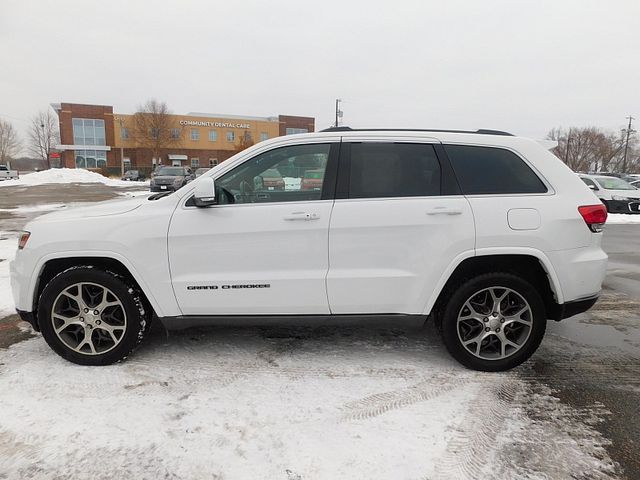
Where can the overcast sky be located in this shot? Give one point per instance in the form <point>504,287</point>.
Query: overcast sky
<point>521,66</point>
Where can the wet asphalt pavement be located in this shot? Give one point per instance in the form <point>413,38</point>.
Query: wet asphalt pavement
<point>590,363</point>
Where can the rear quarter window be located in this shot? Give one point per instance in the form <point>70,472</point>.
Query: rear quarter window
<point>490,170</point>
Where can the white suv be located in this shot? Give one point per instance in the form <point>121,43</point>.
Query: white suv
<point>488,234</point>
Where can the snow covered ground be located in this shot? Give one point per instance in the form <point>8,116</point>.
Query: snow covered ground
<point>67,175</point>
<point>621,218</point>
<point>285,403</point>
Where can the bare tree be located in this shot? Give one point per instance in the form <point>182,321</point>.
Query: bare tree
<point>43,135</point>
<point>155,128</point>
<point>586,149</point>
<point>245,141</point>
<point>9,142</point>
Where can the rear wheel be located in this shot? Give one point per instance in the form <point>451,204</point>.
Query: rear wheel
<point>91,317</point>
<point>493,322</point>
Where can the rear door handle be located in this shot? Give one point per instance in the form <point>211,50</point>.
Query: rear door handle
<point>295,216</point>
<point>444,211</point>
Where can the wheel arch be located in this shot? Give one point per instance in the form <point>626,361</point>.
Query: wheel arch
<point>531,265</point>
<point>50,267</point>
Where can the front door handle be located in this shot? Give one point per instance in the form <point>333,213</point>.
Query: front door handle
<point>302,216</point>
<point>444,211</point>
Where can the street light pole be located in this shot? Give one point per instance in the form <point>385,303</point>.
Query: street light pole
<point>338,112</point>
<point>626,145</point>
<point>121,122</point>
<point>44,146</point>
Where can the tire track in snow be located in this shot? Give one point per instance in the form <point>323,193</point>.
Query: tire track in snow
<point>378,404</point>
<point>515,429</point>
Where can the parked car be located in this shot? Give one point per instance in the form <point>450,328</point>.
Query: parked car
<point>167,179</point>
<point>6,174</point>
<point>618,196</point>
<point>486,234</point>
<point>201,171</point>
<point>312,180</point>
<point>636,183</point>
<point>270,179</point>
<point>133,176</point>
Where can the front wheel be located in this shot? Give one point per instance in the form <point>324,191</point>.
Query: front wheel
<point>92,317</point>
<point>493,322</point>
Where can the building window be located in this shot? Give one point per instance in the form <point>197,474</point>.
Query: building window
<point>264,136</point>
<point>124,133</point>
<point>293,131</point>
<point>88,131</point>
<point>213,135</point>
<point>175,133</point>
<point>195,134</point>
<point>213,162</point>
<point>231,136</point>
<point>155,133</point>
<point>195,162</point>
<point>91,159</point>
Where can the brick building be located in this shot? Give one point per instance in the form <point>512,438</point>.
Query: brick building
<point>92,136</point>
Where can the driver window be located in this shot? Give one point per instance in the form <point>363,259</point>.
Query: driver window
<point>288,174</point>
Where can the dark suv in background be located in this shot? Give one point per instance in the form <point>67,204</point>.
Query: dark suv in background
<point>166,179</point>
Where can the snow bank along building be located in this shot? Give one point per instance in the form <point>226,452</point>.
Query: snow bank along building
<point>92,136</point>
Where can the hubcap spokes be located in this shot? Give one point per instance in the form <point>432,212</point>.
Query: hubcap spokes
<point>494,323</point>
<point>88,318</point>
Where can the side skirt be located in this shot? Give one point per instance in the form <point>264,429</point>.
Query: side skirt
<point>391,319</point>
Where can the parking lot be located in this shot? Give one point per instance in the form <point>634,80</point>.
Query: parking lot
<point>290,402</point>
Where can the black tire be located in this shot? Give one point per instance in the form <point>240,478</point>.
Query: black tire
<point>465,291</point>
<point>135,327</point>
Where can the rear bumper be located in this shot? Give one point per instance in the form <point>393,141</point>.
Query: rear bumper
<point>572,308</point>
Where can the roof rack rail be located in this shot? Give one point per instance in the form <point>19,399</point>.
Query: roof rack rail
<point>481,131</point>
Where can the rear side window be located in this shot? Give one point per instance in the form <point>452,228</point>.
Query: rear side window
<point>393,170</point>
<point>488,170</point>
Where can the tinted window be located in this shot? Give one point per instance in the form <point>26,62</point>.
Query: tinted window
<point>393,170</point>
<point>487,170</point>
<point>276,176</point>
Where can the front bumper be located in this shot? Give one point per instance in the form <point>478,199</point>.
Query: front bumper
<point>623,206</point>
<point>30,318</point>
<point>158,188</point>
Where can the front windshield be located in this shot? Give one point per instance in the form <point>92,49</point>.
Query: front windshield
<point>614,183</point>
<point>170,171</point>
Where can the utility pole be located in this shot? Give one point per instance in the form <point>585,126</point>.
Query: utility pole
<point>338,111</point>
<point>626,145</point>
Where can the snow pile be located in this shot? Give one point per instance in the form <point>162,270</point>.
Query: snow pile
<point>622,218</point>
<point>67,175</point>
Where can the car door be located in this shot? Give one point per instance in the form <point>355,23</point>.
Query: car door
<point>263,248</point>
<point>397,224</point>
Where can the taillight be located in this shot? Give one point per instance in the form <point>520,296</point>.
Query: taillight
<point>22,241</point>
<point>594,216</point>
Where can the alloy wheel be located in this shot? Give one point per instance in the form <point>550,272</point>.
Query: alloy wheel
<point>494,323</point>
<point>89,318</point>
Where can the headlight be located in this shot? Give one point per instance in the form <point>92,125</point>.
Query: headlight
<point>618,197</point>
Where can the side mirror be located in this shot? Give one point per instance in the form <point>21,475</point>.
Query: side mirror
<point>205,193</point>
<point>593,187</point>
